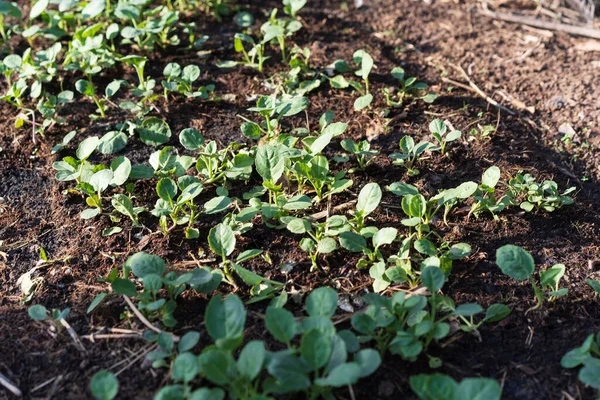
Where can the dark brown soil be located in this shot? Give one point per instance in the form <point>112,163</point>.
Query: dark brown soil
<point>523,351</point>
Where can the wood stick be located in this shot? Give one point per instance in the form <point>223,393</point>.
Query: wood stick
<point>551,26</point>
<point>73,335</point>
<point>10,386</point>
<point>485,97</point>
<point>143,319</point>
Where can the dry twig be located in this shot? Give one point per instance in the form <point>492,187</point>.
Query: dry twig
<point>4,381</point>
<point>144,320</point>
<point>552,26</point>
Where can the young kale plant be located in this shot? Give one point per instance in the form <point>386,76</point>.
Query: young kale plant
<point>529,194</point>
<point>517,263</point>
<point>587,356</point>
<point>408,88</point>
<point>439,130</point>
<point>410,153</point>
<point>151,271</point>
<point>443,387</point>
<point>361,150</point>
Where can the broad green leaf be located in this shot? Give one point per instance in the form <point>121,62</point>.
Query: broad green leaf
<point>185,368</point>
<point>37,312</point>
<point>384,236</point>
<point>315,349</point>
<point>104,385</point>
<point>93,9</point>
<point>353,242</point>
<point>191,139</point>
<point>166,189</point>
<point>491,176</point>
<point>478,389</point>
<point>368,360</point>
<point>424,246</point>
<point>342,375</point>
<point>216,364</point>
<point>322,302</point>
<point>143,264</point>
<point>101,180</point>
<point>363,102</point>
<point>251,359</point>
<point>85,87</point>
<point>38,8</point>
<point>124,286</point>
<point>468,310</point>
<point>590,373</point>
<point>281,324</point>
<point>221,240</point>
<point>515,262</point>
<point>87,147</point>
<point>112,142</point>
<point>369,198</point>
<point>433,278</point>
<point>154,131</point>
<point>225,318</point>
<point>434,387</point>
<point>326,245</point>
<point>496,312</point>
<point>121,167</point>
<point>188,341</point>
<point>269,162</point>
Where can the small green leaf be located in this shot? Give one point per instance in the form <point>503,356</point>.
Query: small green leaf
<point>143,264</point>
<point>37,312</point>
<point>104,385</point>
<point>363,102</point>
<point>124,286</point>
<point>322,302</point>
<point>515,262</point>
<point>221,240</point>
<point>251,359</point>
<point>281,324</point>
<point>433,278</point>
<point>369,198</point>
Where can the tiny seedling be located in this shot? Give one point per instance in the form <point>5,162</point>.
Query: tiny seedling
<point>408,87</point>
<point>439,130</point>
<point>361,150</point>
<point>517,263</point>
<point>587,356</point>
<point>410,153</point>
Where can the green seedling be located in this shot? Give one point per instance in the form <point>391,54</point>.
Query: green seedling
<point>408,87</point>
<point>181,80</point>
<point>10,10</point>
<point>291,7</point>
<point>443,387</point>
<point>485,196</point>
<point>410,153</point>
<point>320,238</point>
<point>39,313</point>
<point>272,109</point>
<point>367,202</point>
<point>404,326</point>
<point>222,241</point>
<point>517,263</point>
<point>439,130</point>
<point>151,272</point>
<point>361,150</point>
<point>587,356</point>
<point>181,208</point>
<point>528,194</point>
<point>104,385</point>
